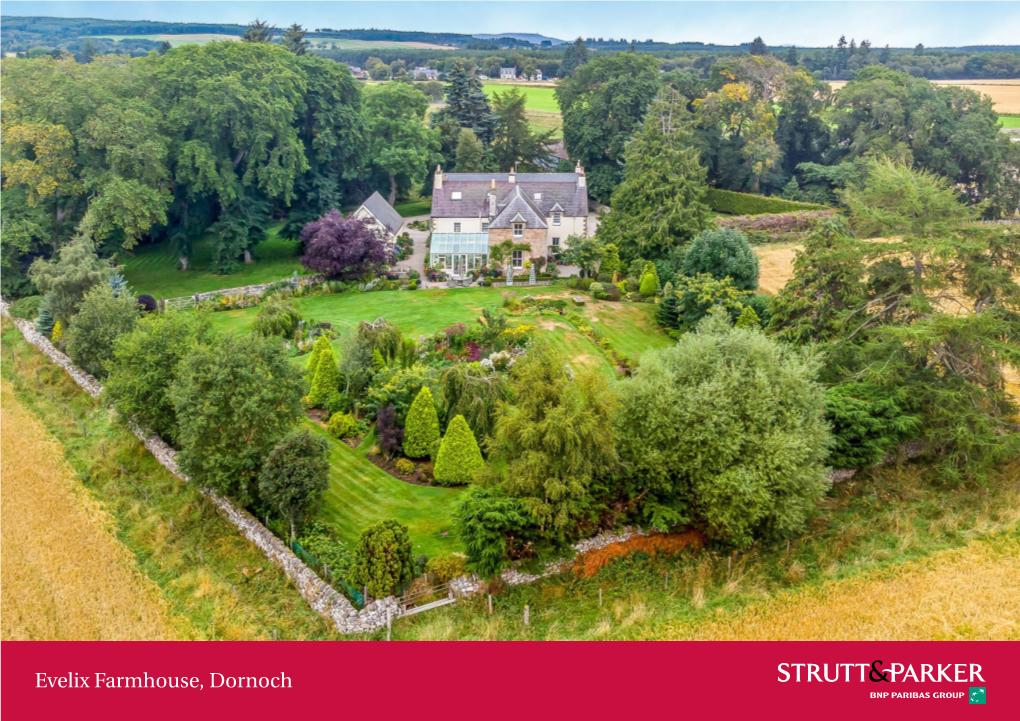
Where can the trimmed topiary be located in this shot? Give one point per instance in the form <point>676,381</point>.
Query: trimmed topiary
<point>327,378</point>
<point>383,560</point>
<point>459,457</point>
<point>421,430</point>
<point>313,359</point>
<point>649,285</point>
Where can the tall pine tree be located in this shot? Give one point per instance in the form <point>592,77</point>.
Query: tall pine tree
<point>660,204</point>
<point>467,103</point>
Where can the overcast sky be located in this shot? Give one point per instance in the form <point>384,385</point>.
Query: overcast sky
<point>813,24</point>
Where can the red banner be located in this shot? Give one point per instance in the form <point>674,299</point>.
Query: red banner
<point>859,680</point>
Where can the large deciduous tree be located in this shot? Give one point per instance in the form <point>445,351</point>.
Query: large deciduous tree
<point>145,364</point>
<point>401,146</point>
<point>514,141</point>
<point>603,103</point>
<point>295,476</point>
<point>103,317</point>
<point>725,431</point>
<point>234,402</point>
<point>342,247</point>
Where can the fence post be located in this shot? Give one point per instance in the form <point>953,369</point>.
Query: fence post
<point>490,604</point>
<point>600,598</point>
<point>389,623</point>
<point>527,620</point>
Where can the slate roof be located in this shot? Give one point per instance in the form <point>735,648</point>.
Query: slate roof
<point>383,212</point>
<point>518,208</point>
<point>555,188</point>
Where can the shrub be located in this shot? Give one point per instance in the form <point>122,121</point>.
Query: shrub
<point>102,318</point>
<point>342,425</point>
<point>748,319</point>
<point>147,303</point>
<point>727,433</point>
<point>327,377</point>
<point>610,263</point>
<point>44,321</point>
<point>405,466</point>
<point>459,457</point>
<point>485,519</point>
<point>322,540</point>
<point>762,305</point>
<point>421,430</point>
<point>295,476</point>
<point>389,434</point>
<point>704,295</point>
<point>446,567</point>
<point>26,308</point>
<point>276,317</point>
<point>733,203</point>
<point>867,423</point>
<point>413,285</point>
<point>598,291</point>
<point>649,285</point>
<point>383,559</point>
<point>723,253</point>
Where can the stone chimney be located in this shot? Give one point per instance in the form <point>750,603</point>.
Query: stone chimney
<point>492,203</point>
<point>438,182</point>
<point>582,182</point>
<point>513,174</point>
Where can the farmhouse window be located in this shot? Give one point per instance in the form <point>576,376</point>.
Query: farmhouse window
<point>456,227</point>
<point>457,195</point>
<point>518,230</point>
<point>485,226</point>
<point>557,216</point>
<point>518,259</point>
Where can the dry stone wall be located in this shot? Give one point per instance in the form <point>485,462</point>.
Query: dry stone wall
<point>319,594</point>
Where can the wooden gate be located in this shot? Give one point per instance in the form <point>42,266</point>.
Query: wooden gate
<point>427,599</point>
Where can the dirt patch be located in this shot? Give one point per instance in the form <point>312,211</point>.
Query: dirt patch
<point>552,325</point>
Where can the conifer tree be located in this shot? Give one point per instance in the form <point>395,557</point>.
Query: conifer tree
<point>459,456</point>
<point>610,260</point>
<point>748,319</point>
<point>667,313</point>
<point>421,430</point>
<point>313,359</point>
<point>327,377</point>
<point>649,280</point>
<point>377,361</point>
<point>467,103</point>
<point>660,203</point>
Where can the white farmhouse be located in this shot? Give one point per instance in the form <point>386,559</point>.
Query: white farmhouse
<point>473,212</point>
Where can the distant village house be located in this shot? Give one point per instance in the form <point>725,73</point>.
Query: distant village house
<point>508,73</point>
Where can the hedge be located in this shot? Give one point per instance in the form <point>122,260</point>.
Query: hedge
<point>728,201</point>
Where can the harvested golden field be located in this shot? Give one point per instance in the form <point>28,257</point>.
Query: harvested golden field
<point>1004,93</point>
<point>970,593</point>
<point>776,264</point>
<point>63,574</point>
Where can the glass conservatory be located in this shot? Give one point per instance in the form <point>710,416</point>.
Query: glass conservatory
<point>458,253</point>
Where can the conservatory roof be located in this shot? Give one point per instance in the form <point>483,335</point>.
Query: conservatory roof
<point>446,243</point>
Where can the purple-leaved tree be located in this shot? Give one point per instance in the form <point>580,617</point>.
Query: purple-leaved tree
<point>340,247</point>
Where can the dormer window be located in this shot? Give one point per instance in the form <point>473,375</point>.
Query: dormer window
<point>557,216</point>
<point>518,230</point>
<point>456,195</point>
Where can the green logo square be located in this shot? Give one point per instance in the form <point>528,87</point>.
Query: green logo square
<point>977,694</point>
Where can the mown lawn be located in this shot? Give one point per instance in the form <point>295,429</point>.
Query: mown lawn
<point>1010,121</point>
<point>542,110</point>
<point>154,268</point>
<point>360,493</point>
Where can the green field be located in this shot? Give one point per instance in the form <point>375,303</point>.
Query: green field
<point>543,110</point>
<point>1010,121</point>
<point>154,268</point>
<point>348,44</point>
<point>359,492</point>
